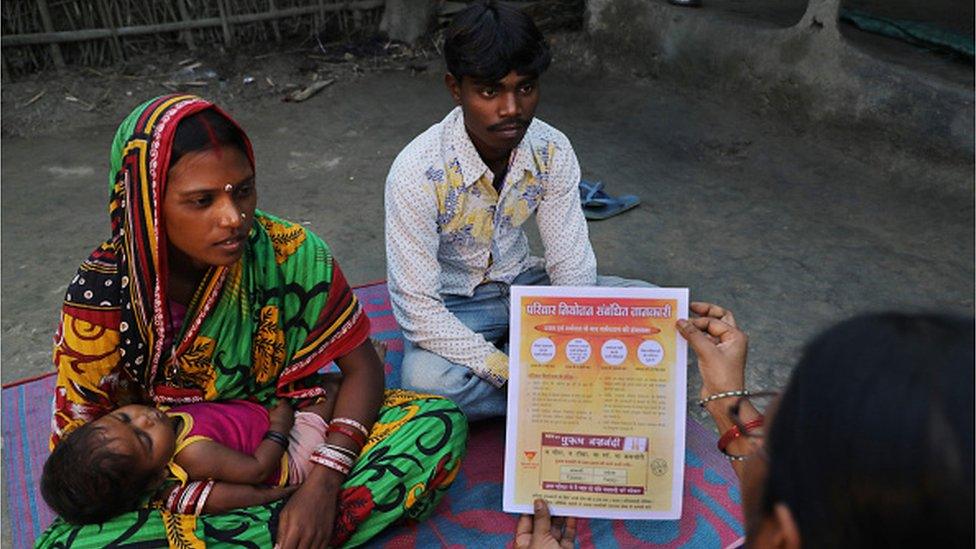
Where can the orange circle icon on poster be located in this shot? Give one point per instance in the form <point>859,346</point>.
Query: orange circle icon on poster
<point>650,353</point>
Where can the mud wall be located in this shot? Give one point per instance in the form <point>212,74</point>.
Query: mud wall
<point>808,72</point>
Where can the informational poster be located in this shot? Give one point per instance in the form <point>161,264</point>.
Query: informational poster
<point>596,401</point>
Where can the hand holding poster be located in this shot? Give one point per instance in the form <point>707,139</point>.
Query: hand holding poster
<point>596,401</point>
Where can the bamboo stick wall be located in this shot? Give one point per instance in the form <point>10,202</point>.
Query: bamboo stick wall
<point>39,34</point>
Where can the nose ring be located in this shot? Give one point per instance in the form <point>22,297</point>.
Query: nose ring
<point>228,188</point>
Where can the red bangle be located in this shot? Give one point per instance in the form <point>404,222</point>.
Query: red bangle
<point>331,463</point>
<point>349,432</point>
<point>734,433</point>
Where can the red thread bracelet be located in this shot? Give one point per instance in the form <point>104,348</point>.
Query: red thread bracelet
<point>349,432</point>
<point>734,433</point>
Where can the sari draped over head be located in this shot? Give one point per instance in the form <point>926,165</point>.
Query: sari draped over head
<point>259,329</point>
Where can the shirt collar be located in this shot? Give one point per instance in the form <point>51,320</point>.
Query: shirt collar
<point>470,162</point>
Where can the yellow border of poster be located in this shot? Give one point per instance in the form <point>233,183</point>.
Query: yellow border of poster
<point>596,401</point>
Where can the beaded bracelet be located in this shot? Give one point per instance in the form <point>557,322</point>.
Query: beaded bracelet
<point>278,438</point>
<point>354,424</point>
<point>350,432</point>
<point>726,394</point>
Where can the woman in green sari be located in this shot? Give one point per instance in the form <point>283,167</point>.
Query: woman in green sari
<point>199,296</point>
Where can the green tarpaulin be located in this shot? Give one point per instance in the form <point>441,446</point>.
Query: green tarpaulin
<point>915,32</point>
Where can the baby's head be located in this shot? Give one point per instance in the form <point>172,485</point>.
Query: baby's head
<point>107,466</point>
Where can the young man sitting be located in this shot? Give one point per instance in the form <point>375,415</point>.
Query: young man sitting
<point>456,199</point>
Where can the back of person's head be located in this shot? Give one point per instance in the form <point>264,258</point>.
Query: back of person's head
<point>488,40</point>
<point>204,131</point>
<point>85,482</point>
<point>872,442</point>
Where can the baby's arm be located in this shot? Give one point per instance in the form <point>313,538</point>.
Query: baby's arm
<point>227,496</point>
<point>331,384</point>
<point>211,460</point>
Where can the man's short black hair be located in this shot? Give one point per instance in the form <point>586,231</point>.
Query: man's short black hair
<point>85,482</point>
<point>488,40</point>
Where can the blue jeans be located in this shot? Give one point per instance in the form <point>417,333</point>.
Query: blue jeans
<point>486,313</point>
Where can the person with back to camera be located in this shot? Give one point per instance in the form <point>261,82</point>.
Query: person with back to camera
<point>456,200</point>
<point>870,445</point>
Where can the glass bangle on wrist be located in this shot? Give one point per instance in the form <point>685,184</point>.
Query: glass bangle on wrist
<point>354,424</point>
<point>343,450</point>
<point>351,433</point>
<point>189,499</point>
<point>334,457</point>
<point>735,433</point>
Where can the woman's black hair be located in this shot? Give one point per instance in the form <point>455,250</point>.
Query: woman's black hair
<point>488,40</point>
<point>85,482</point>
<point>205,130</point>
<point>872,443</point>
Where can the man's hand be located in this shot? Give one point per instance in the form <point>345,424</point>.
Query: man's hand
<point>720,345</point>
<point>307,519</point>
<point>540,531</point>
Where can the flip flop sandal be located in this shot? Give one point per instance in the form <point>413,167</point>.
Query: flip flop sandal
<point>597,204</point>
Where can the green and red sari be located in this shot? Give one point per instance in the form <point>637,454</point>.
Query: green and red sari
<point>260,329</point>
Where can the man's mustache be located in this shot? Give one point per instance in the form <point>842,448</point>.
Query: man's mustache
<point>509,123</point>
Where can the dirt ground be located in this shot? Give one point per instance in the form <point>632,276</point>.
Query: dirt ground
<point>744,212</point>
<point>791,229</point>
<point>251,75</point>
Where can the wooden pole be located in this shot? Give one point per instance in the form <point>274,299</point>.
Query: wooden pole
<point>224,24</point>
<point>185,16</point>
<point>49,27</point>
<point>274,22</point>
<point>209,22</point>
<point>116,44</point>
<point>151,14</point>
<point>6,71</point>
